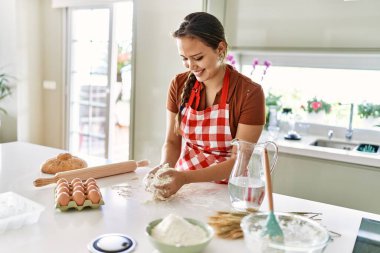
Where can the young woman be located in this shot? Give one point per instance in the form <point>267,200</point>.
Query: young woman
<point>207,107</point>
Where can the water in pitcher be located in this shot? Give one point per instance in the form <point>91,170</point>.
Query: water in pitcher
<point>246,193</point>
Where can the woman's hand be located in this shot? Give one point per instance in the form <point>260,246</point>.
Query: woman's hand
<point>153,171</point>
<point>149,177</point>
<point>178,179</point>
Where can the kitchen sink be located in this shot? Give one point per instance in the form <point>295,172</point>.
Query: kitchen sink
<point>334,144</point>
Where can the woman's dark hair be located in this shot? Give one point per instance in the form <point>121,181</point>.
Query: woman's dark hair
<point>203,26</point>
<point>208,29</point>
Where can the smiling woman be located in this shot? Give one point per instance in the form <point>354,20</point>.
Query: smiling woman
<point>207,106</point>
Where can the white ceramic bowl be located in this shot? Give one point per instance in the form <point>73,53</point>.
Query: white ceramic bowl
<point>301,234</point>
<point>168,248</point>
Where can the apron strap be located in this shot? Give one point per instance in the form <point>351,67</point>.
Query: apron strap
<point>195,92</point>
<point>226,82</point>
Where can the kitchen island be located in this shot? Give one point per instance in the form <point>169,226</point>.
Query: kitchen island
<point>128,208</point>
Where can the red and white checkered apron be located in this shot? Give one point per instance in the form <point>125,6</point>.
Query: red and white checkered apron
<point>206,133</point>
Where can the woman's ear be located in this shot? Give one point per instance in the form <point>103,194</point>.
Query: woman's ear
<point>222,48</point>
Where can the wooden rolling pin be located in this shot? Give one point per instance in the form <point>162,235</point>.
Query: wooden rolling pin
<point>95,172</point>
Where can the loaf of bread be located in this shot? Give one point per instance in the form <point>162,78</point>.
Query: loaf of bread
<point>63,162</point>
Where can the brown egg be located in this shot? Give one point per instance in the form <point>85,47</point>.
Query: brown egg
<point>78,183</point>
<point>78,188</point>
<point>63,199</point>
<point>79,197</point>
<point>92,183</point>
<point>63,189</point>
<point>63,184</point>
<point>62,180</point>
<point>94,196</point>
<point>75,180</point>
<point>90,180</point>
<point>92,187</point>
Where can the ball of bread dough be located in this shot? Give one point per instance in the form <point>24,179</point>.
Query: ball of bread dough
<point>151,181</point>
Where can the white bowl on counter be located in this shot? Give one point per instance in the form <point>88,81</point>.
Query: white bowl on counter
<point>169,248</point>
<point>301,234</point>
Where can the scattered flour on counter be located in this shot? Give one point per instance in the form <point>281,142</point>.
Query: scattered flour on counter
<point>150,181</point>
<point>124,190</point>
<point>176,230</point>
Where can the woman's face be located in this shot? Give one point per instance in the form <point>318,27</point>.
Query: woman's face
<point>199,58</point>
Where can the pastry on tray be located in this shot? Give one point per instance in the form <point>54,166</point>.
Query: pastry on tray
<point>63,162</point>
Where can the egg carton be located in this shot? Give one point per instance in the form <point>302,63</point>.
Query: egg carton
<point>73,205</point>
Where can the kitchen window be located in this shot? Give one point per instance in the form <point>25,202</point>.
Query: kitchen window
<point>298,78</point>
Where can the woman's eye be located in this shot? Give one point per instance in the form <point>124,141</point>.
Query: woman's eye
<point>199,58</point>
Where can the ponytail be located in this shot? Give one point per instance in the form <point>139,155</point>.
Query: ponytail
<point>185,95</point>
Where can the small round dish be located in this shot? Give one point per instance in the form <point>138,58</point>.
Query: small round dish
<point>168,248</point>
<point>301,234</point>
<point>115,242</point>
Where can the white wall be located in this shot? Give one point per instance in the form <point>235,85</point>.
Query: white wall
<point>157,61</point>
<point>28,47</point>
<point>52,52</point>
<point>8,65</point>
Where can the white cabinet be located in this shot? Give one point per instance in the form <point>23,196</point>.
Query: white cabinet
<point>332,182</point>
<point>326,24</point>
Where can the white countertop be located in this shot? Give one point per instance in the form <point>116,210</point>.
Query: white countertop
<point>303,148</point>
<point>130,212</point>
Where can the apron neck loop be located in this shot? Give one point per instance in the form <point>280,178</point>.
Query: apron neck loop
<point>195,92</point>
<point>226,82</point>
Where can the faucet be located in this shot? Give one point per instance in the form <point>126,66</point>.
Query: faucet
<point>349,131</point>
<point>330,134</point>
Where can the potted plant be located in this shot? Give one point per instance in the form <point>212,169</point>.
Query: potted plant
<point>366,110</point>
<point>316,110</point>
<point>317,105</point>
<point>5,89</point>
<point>273,104</point>
<point>370,113</point>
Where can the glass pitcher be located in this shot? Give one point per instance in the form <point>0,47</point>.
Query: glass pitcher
<point>246,185</point>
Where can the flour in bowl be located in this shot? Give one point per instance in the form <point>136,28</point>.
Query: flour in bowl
<point>176,230</point>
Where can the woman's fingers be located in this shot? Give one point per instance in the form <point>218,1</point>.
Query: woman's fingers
<point>168,173</point>
<point>165,190</point>
<point>154,170</point>
<point>162,186</point>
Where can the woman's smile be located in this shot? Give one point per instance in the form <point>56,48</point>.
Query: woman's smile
<point>198,72</point>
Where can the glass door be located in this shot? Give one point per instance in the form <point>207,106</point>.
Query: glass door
<point>99,80</point>
<point>89,72</point>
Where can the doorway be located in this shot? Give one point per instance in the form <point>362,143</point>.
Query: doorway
<point>99,80</point>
